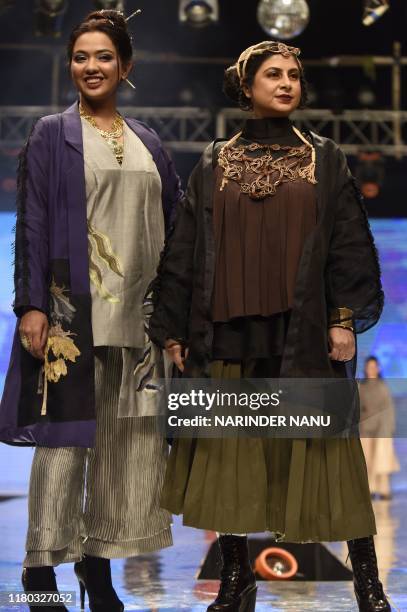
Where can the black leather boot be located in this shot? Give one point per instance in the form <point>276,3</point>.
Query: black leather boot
<point>368,588</point>
<point>41,579</point>
<point>95,577</point>
<point>238,588</point>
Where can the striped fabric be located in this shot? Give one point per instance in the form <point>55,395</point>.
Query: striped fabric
<point>102,501</point>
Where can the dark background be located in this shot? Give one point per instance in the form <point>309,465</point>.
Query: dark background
<point>165,74</point>
<point>335,28</point>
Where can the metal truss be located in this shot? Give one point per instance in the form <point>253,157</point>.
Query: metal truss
<point>189,130</point>
<point>182,129</point>
<point>353,131</point>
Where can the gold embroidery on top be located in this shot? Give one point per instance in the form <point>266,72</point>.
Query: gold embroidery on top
<point>295,163</point>
<point>105,250</point>
<point>99,246</point>
<point>61,307</point>
<point>96,278</point>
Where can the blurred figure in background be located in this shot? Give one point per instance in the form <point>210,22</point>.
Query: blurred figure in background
<point>377,426</point>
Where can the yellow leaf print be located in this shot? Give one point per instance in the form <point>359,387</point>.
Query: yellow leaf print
<point>105,251</point>
<point>56,370</point>
<point>61,345</point>
<point>99,247</point>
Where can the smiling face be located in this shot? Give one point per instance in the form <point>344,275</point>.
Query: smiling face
<point>276,89</point>
<point>96,68</point>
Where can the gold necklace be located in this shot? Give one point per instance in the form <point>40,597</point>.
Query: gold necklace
<point>269,172</point>
<point>111,136</point>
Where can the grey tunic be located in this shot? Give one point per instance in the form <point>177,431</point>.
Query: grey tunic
<point>126,235</point>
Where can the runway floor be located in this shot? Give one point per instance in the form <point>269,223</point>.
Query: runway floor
<point>167,580</point>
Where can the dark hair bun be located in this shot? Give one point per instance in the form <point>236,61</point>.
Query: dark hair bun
<point>115,16</point>
<point>233,88</point>
<point>231,84</point>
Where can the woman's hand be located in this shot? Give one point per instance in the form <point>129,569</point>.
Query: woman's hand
<point>174,351</point>
<point>34,332</point>
<point>341,343</point>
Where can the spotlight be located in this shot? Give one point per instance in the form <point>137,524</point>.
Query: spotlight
<point>52,8</point>
<point>373,10</point>
<point>283,18</point>
<point>366,96</point>
<point>198,13</point>
<point>276,564</point>
<point>370,173</point>
<point>5,5</point>
<point>49,16</point>
<point>186,96</point>
<point>112,5</point>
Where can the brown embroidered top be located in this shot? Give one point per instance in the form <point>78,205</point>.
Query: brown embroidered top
<point>261,168</point>
<point>264,209</point>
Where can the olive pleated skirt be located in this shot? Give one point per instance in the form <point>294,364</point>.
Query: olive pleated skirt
<point>302,490</point>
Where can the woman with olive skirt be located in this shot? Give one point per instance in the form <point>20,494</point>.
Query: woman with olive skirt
<point>269,271</point>
<point>95,193</point>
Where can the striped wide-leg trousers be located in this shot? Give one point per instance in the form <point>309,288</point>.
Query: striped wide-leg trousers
<point>102,501</point>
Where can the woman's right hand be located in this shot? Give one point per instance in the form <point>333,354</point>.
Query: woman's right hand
<point>34,327</point>
<point>174,351</point>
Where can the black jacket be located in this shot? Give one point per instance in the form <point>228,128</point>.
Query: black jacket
<point>338,267</point>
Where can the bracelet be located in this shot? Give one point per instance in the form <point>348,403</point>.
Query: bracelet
<point>340,315</point>
<point>343,326</point>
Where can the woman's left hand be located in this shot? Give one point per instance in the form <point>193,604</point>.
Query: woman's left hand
<point>341,344</point>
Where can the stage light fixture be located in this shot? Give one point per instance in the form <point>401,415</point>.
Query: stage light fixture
<point>370,173</point>
<point>106,5</point>
<point>283,19</point>
<point>5,5</point>
<point>52,8</point>
<point>48,17</point>
<point>366,96</point>
<point>198,13</point>
<point>373,10</point>
<point>276,564</point>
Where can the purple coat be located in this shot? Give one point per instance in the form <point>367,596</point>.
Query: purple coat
<point>52,251</point>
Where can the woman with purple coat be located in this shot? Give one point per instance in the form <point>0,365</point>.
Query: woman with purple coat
<point>95,194</point>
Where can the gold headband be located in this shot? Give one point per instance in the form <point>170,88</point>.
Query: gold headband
<point>263,47</point>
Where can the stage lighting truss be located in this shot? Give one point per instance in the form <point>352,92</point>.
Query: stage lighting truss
<point>5,5</point>
<point>373,10</point>
<point>113,5</point>
<point>190,130</point>
<point>49,15</point>
<point>52,8</point>
<point>198,13</point>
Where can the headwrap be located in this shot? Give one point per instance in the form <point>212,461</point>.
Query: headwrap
<point>267,46</point>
